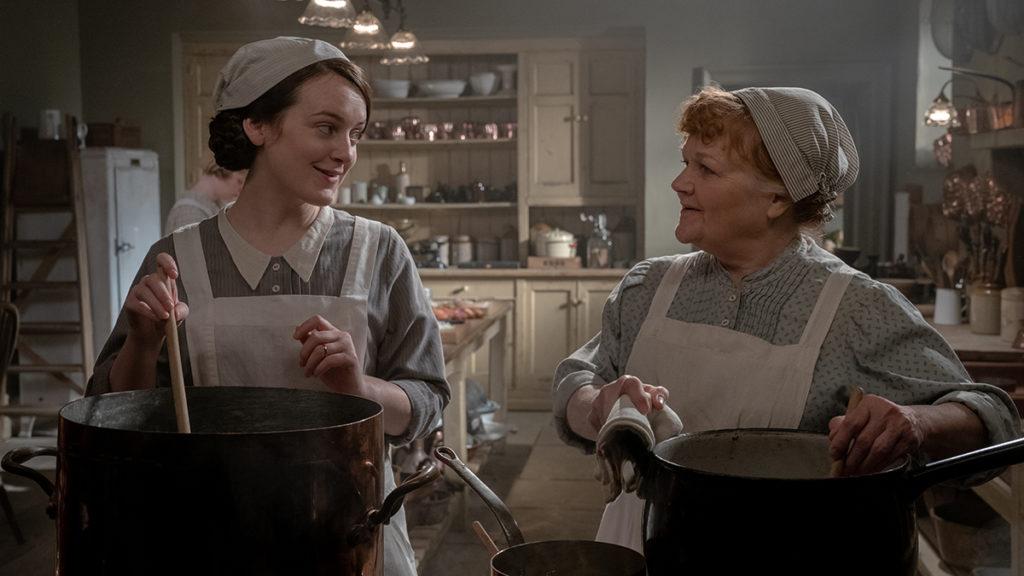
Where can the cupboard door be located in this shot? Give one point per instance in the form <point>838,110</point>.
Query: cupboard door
<point>545,335</point>
<point>202,65</point>
<point>590,298</point>
<point>552,90</point>
<point>611,124</point>
<point>479,363</point>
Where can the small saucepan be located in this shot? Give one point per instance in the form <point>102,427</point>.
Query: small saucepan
<point>547,558</point>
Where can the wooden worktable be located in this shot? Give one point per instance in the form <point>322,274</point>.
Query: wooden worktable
<point>488,331</point>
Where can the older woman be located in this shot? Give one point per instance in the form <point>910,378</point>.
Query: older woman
<point>761,327</point>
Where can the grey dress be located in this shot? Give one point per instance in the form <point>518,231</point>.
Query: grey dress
<point>403,335</point>
<point>878,339</point>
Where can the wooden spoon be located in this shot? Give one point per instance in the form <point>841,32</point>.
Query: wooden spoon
<point>485,538</point>
<point>856,393</point>
<point>174,359</point>
<point>950,263</point>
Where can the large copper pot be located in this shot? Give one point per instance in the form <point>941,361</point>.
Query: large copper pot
<point>271,481</point>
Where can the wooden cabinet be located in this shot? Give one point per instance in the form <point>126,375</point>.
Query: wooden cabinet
<point>551,83</point>
<point>554,318</point>
<point>583,113</point>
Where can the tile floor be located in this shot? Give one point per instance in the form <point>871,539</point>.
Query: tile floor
<point>548,486</point>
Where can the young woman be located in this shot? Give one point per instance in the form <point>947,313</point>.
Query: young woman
<point>280,289</point>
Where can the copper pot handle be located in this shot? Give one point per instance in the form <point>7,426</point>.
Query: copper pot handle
<point>513,535</point>
<point>427,473</point>
<point>13,462</point>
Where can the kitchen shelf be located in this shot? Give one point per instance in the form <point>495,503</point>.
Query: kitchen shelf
<point>581,201</point>
<point>438,144</point>
<point>1007,138</point>
<point>420,102</point>
<point>429,206</point>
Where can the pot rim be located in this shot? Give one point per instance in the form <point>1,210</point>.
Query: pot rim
<point>658,451</point>
<point>377,409</point>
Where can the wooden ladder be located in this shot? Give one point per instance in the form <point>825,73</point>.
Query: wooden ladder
<point>52,169</point>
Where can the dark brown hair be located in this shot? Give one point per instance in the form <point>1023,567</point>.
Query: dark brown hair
<point>233,150</point>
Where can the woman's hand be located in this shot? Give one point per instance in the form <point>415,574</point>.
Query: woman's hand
<point>150,302</point>
<point>329,354</point>
<point>644,396</point>
<point>875,434</point>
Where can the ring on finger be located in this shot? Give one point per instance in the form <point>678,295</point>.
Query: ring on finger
<point>325,350</point>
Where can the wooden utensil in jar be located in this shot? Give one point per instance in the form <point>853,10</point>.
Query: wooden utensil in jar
<point>856,393</point>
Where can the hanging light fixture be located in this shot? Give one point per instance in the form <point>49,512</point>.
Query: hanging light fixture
<point>329,14</point>
<point>353,40</point>
<point>942,112</point>
<point>403,46</point>
<point>367,23</point>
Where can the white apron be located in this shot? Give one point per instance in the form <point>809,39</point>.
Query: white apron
<point>719,378</point>
<point>247,341</point>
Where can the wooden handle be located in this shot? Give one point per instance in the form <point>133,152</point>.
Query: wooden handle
<point>856,393</point>
<point>174,359</point>
<point>485,538</point>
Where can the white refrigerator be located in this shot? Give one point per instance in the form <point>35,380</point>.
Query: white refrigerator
<point>122,214</point>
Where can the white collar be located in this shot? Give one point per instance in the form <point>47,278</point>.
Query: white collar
<point>302,256</point>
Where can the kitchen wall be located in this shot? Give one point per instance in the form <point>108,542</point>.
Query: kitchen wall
<point>39,59</point>
<point>127,57</point>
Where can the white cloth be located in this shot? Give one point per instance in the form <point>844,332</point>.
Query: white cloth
<point>719,378</point>
<point>247,341</point>
<point>625,432</point>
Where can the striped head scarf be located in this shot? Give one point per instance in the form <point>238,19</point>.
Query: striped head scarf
<point>258,66</point>
<point>806,138</point>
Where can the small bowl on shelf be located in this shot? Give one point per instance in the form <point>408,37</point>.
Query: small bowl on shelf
<point>386,88</point>
<point>483,83</point>
<point>440,88</point>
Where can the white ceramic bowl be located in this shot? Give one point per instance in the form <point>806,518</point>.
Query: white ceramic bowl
<point>440,88</point>
<point>483,83</point>
<point>385,88</point>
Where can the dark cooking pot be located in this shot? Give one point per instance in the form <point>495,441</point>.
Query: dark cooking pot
<point>548,558</point>
<point>271,481</point>
<point>762,501</point>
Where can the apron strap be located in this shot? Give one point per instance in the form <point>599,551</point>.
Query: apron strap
<point>191,260</point>
<point>362,258</point>
<point>824,312</point>
<point>790,406</point>
<point>670,285</point>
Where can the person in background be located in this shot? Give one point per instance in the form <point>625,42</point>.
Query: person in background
<point>762,328</point>
<point>216,188</point>
<point>280,289</point>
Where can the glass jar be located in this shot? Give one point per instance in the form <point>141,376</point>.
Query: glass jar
<point>487,249</point>
<point>1012,312</point>
<point>984,308</point>
<point>462,249</point>
<point>442,249</point>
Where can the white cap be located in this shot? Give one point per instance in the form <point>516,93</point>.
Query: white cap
<point>806,138</point>
<point>259,66</point>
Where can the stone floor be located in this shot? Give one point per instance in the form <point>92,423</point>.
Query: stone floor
<point>547,485</point>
